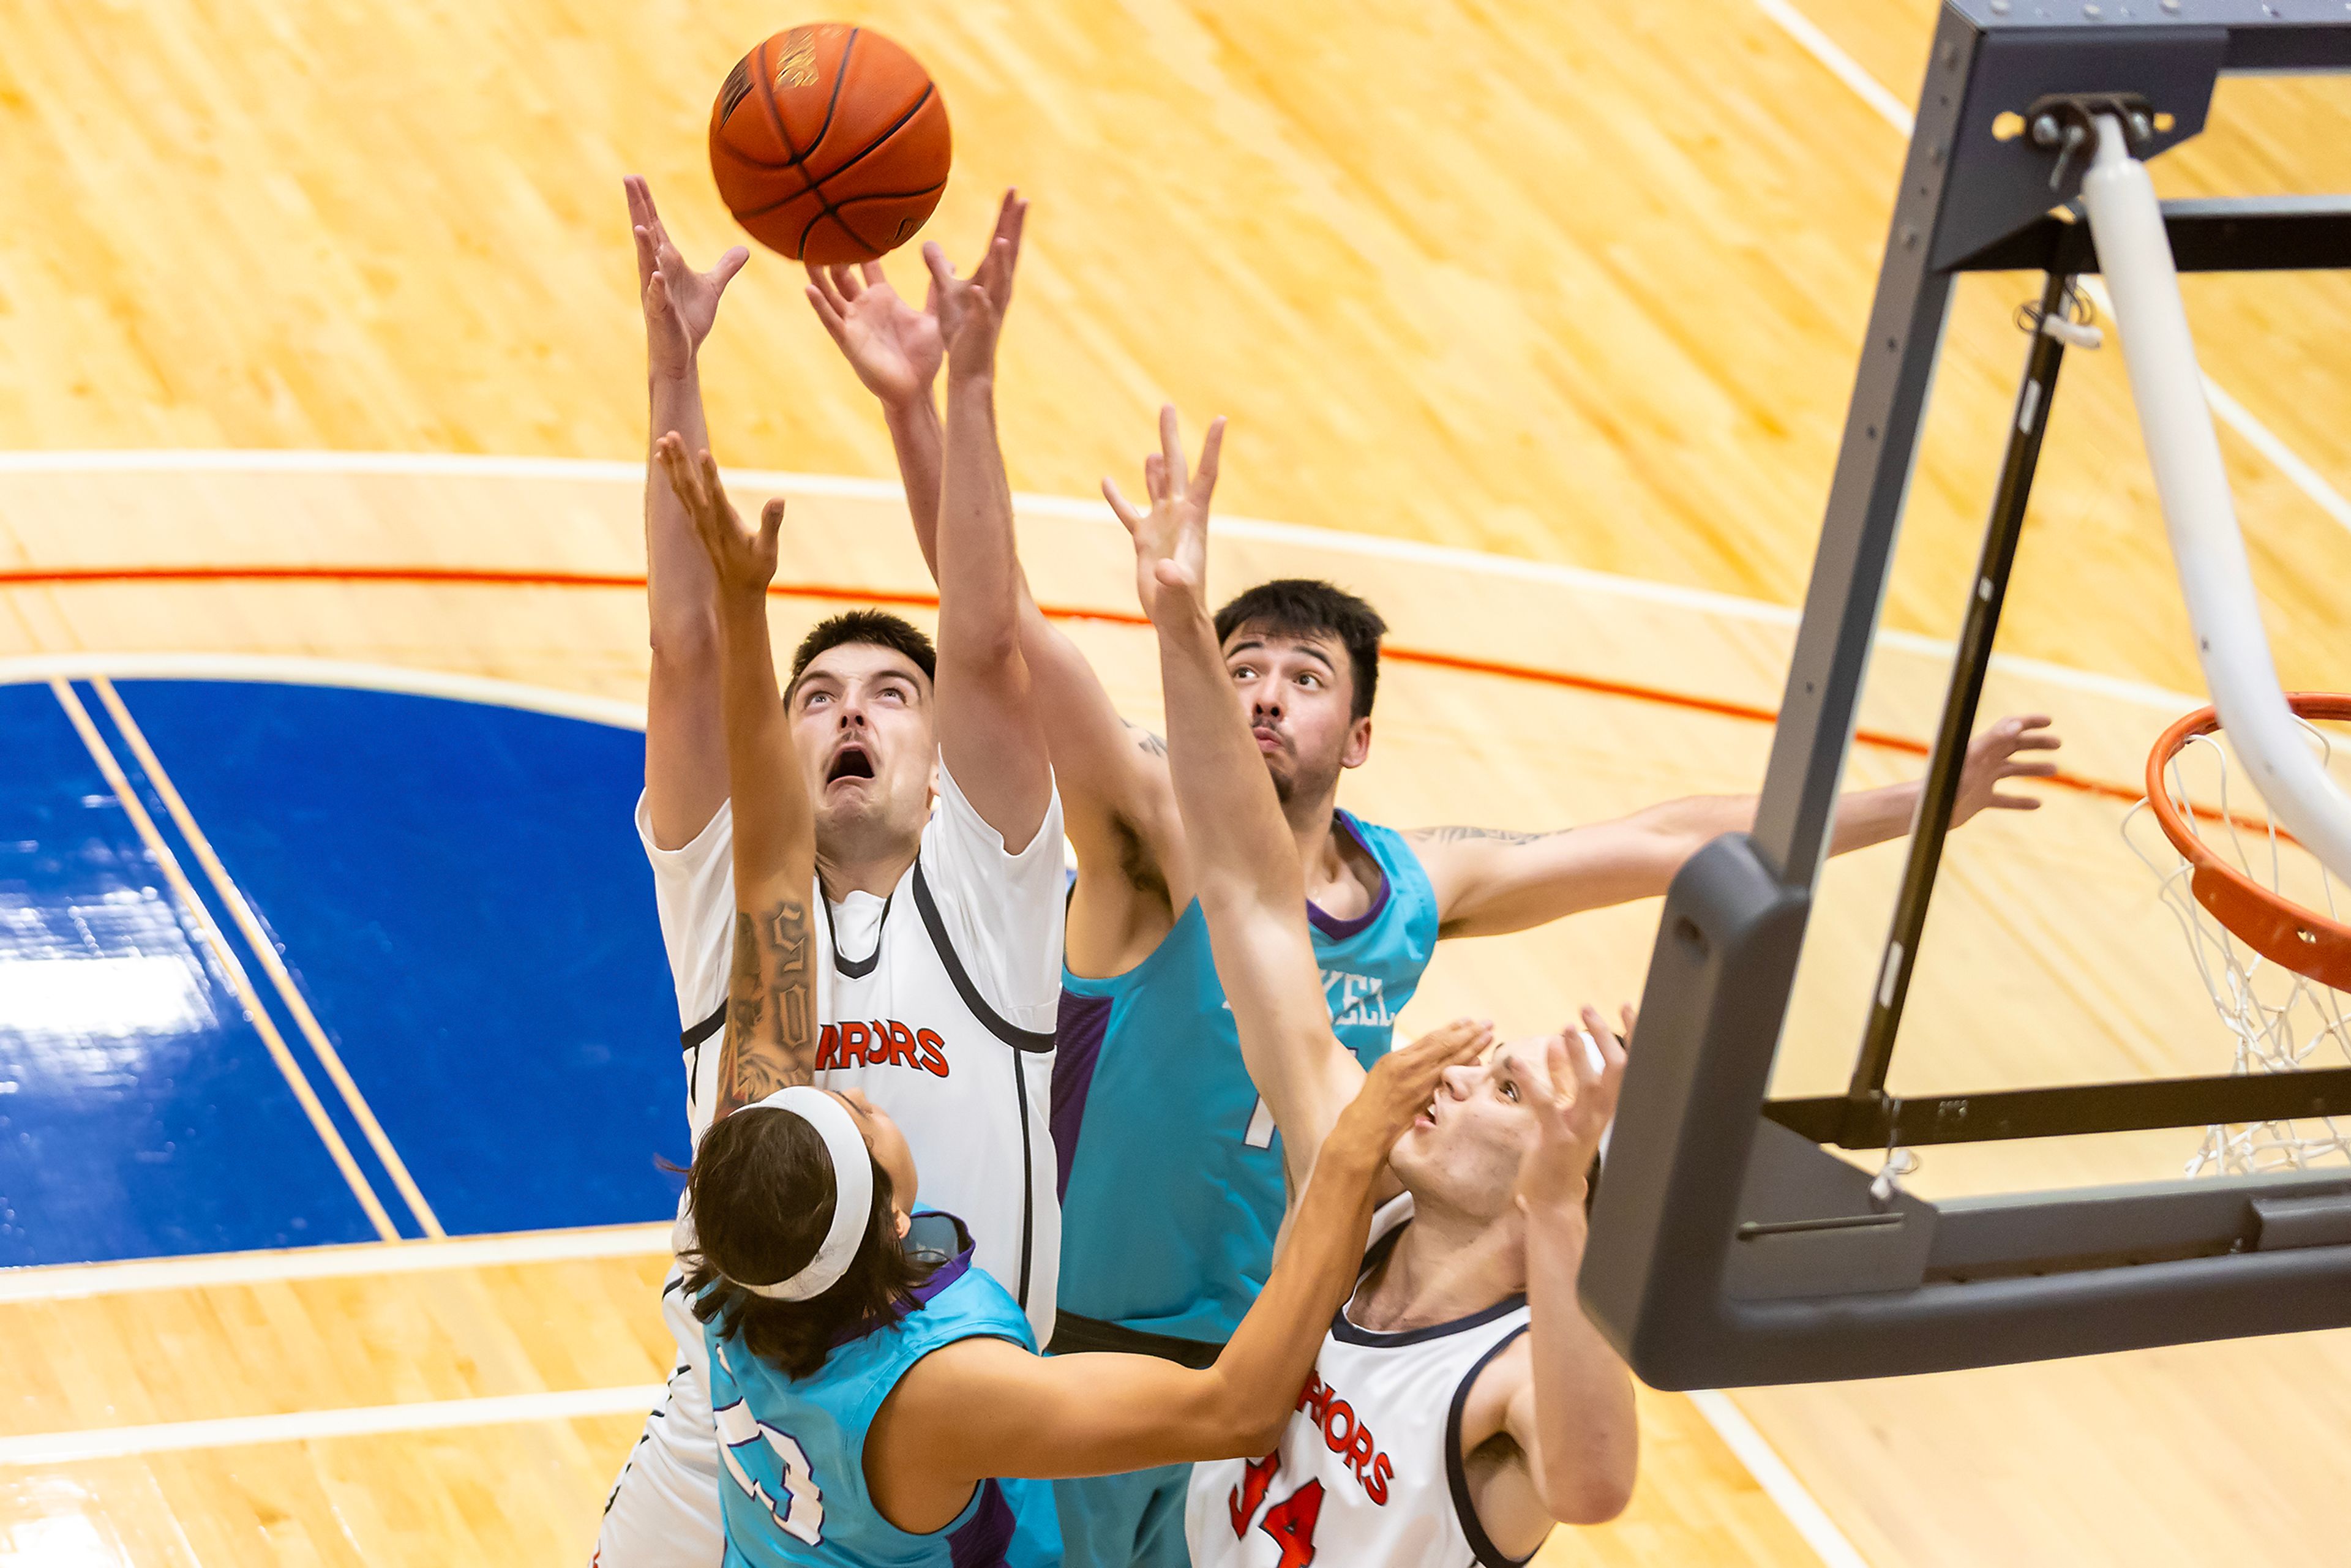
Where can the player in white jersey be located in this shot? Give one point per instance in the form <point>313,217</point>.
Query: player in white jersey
<point>1462,1403</point>
<point>937,956</point>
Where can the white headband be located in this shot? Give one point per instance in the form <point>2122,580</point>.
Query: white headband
<point>852,1189</point>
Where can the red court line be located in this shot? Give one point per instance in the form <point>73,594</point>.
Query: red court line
<point>1661,696</point>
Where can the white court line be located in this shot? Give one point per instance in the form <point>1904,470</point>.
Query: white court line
<point>1779,1482</point>
<point>79,1281</point>
<point>432,465</point>
<point>308,1426</point>
<point>258,941</point>
<point>295,670</point>
<point>2225,406</point>
<point>217,941</point>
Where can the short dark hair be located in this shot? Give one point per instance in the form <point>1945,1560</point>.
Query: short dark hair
<point>1307,607</point>
<point>878,627</point>
<point>762,1194</point>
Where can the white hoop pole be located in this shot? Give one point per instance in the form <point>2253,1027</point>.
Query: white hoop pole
<point>2135,254</point>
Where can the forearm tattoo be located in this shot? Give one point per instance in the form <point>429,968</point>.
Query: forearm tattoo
<point>771,1012</point>
<point>1498,835</point>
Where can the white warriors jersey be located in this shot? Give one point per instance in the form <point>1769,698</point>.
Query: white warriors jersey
<point>1369,1472</point>
<point>936,1001</point>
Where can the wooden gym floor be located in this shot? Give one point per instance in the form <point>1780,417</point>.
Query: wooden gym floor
<point>1546,314</point>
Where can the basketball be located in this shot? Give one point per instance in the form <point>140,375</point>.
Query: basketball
<point>830,143</point>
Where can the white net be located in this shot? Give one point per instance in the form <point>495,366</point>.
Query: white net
<point>2278,1021</point>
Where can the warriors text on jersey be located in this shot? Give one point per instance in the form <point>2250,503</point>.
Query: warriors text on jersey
<point>794,1449</point>
<point>1370,1468</point>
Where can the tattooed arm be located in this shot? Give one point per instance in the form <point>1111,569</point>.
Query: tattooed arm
<point>771,996</point>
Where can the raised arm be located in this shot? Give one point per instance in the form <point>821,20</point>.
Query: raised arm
<point>988,733</point>
<point>1113,781</point>
<point>1559,1394</point>
<point>771,996</point>
<point>685,761</point>
<point>982,1408</point>
<point>1490,881</point>
<point>1245,865</point>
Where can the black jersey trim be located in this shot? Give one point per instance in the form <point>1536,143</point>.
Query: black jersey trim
<point>1023,1042</point>
<point>1456,1470</point>
<point>997,1025</point>
<point>1073,1334</point>
<point>1344,1329</point>
<point>691,1039</point>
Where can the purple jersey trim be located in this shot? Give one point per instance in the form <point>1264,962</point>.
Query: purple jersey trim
<point>945,1274</point>
<point>1079,1030</point>
<point>1331,925</point>
<point>984,1537</point>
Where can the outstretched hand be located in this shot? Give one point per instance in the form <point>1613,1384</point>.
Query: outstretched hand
<point>1569,1118</point>
<point>971,309</point>
<point>744,558</point>
<point>1992,759</point>
<point>681,304</point>
<point>1171,539</point>
<point>894,349</point>
<point>1401,1084</point>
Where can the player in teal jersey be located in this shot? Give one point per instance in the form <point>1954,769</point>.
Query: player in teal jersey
<point>873,1391</point>
<point>1171,1175</point>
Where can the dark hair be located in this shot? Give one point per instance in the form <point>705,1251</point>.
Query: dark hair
<point>878,627</point>
<point>1306,607</point>
<point>762,1195</point>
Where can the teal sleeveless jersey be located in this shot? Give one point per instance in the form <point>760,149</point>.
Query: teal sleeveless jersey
<point>794,1451</point>
<point>1171,1174</point>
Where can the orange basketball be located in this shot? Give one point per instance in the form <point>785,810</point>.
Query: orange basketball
<point>830,143</point>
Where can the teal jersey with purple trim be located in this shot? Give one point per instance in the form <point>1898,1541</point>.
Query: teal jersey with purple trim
<point>793,1452</point>
<point>1171,1172</point>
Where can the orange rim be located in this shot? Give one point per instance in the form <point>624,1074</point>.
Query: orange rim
<point>2284,932</point>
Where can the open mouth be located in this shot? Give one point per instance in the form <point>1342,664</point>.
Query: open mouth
<point>1427,1118</point>
<point>850,762</point>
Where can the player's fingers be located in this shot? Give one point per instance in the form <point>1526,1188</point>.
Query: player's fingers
<point>871,274</point>
<point>1598,1039</point>
<point>1000,273</point>
<point>1154,477</point>
<point>714,493</point>
<point>728,266</point>
<point>942,277</point>
<point>2028,770</point>
<point>848,282</point>
<point>2016,802</point>
<point>1565,1063</point>
<point>643,238</point>
<point>1460,1041</point>
<point>821,283</point>
<point>671,451</point>
<point>1171,447</point>
<point>1118,503</point>
<point>771,524</point>
<point>1630,1016</point>
<point>826,313</point>
<point>1008,228</point>
<point>1204,478</point>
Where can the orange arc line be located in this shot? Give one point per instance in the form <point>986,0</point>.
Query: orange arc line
<point>480,576</point>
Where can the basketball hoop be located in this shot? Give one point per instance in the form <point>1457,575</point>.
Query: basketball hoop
<point>2276,968</point>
